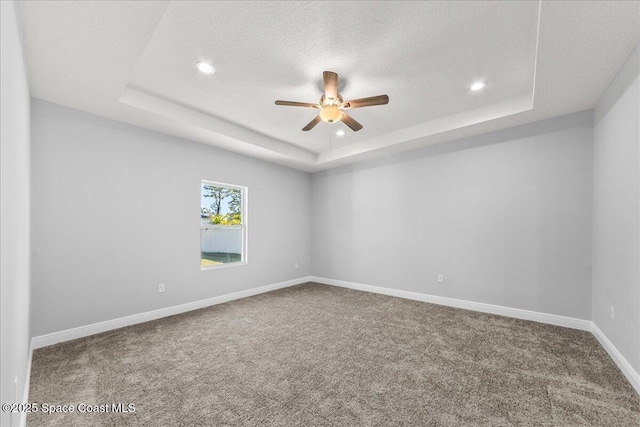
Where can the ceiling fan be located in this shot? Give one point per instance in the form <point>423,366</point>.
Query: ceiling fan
<point>332,105</point>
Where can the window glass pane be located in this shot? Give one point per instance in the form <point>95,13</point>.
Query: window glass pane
<point>220,245</point>
<point>221,205</point>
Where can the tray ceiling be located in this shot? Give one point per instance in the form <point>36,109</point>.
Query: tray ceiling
<point>135,62</point>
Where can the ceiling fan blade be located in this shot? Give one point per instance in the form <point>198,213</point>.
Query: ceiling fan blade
<point>297,104</point>
<point>312,123</point>
<point>330,84</point>
<point>350,121</point>
<point>366,102</point>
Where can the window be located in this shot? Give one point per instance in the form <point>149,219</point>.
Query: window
<point>223,225</point>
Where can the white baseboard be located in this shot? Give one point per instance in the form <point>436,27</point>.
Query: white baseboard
<point>552,319</point>
<point>27,383</point>
<point>568,322</point>
<point>108,325</point>
<point>624,365</point>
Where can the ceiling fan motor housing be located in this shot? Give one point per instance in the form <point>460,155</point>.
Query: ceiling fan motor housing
<point>325,101</point>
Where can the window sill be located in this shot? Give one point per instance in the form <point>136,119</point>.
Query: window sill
<point>225,265</point>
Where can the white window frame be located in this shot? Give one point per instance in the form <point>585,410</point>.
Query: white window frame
<point>244,193</point>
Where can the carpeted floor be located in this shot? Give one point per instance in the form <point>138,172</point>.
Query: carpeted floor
<point>316,355</point>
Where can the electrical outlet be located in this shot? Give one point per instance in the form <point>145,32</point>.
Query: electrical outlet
<point>161,287</point>
<point>613,316</point>
<point>296,265</point>
<point>440,278</point>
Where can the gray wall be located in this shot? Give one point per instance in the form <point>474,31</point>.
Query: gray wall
<point>14,211</point>
<point>116,212</point>
<point>616,211</point>
<point>506,217</point>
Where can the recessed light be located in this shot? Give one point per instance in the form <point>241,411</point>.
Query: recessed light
<point>478,85</point>
<point>340,132</point>
<point>205,68</point>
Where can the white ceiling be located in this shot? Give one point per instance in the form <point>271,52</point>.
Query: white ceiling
<point>135,62</point>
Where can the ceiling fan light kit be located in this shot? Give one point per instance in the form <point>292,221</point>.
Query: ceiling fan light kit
<point>330,114</point>
<point>332,105</point>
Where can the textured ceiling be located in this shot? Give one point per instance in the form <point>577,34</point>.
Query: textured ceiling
<point>135,62</point>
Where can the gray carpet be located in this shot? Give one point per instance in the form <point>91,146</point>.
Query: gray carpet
<point>316,355</point>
